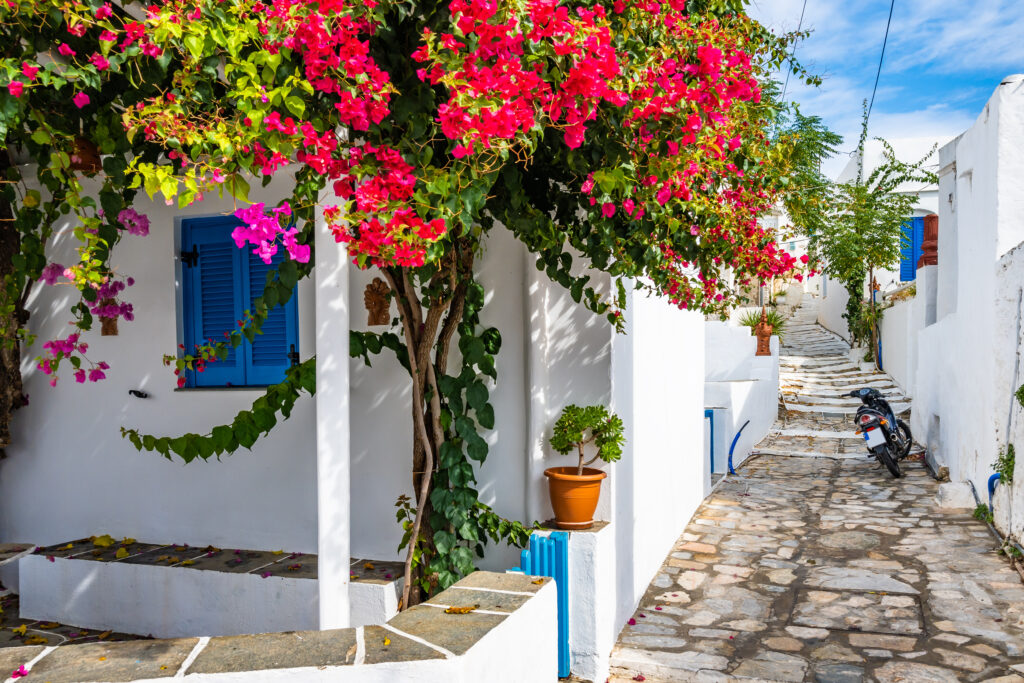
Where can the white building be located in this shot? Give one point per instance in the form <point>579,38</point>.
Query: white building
<point>326,480</point>
<point>957,344</point>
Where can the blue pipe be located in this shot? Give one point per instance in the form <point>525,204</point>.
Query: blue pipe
<point>733,446</point>
<point>992,481</point>
<point>878,336</point>
<point>710,415</point>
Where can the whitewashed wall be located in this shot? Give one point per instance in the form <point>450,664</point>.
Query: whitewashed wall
<point>70,474</point>
<point>554,352</point>
<point>658,378</point>
<point>967,361</point>
<point>899,328</point>
<point>740,386</point>
<point>833,306</point>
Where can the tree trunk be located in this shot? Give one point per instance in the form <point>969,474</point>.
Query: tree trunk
<point>12,394</point>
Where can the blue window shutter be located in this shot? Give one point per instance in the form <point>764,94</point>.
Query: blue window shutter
<point>212,300</point>
<point>266,359</point>
<point>908,266</point>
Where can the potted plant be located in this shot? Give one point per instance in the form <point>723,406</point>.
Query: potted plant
<point>575,489</point>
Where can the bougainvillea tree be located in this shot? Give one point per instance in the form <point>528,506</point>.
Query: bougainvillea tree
<point>624,138</point>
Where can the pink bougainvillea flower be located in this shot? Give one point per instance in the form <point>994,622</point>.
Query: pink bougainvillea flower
<point>639,677</point>
<point>51,272</point>
<point>632,622</point>
<point>608,209</point>
<point>80,376</point>
<point>66,50</point>
<point>134,222</point>
<point>80,99</point>
<point>805,258</point>
<point>20,672</point>
<point>104,11</point>
<point>264,575</point>
<point>108,37</point>
<point>15,88</point>
<point>99,61</point>
<point>29,71</point>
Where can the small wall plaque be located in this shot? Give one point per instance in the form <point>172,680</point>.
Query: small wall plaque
<point>378,307</point>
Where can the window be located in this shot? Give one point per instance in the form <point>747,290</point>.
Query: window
<point>219,284</point>
<point>910,250</point>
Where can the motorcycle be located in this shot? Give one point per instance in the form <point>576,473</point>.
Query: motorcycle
<point>888,437</point>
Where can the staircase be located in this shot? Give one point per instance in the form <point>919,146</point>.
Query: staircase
<point>815,376</point>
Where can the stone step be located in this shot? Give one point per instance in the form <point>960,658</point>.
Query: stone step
<point>898,408</point>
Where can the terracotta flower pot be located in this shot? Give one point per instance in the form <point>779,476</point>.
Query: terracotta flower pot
<point>574,497</point>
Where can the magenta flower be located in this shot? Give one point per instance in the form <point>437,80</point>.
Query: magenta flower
<point>29,71</point>
<point>80,376</point>
<point>104,11</point>
<point>66,50</point>
<point>20,672</point>
<point>134,222</point>
<point>99,61</point>
<point>108,37</point>
<point>264,575</point>
<point>608,209</point>
<point>16,88</point>
<point>80,99</point>
<point>51,272</point>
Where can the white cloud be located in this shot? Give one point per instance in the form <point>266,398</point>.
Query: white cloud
<point>942,62</point>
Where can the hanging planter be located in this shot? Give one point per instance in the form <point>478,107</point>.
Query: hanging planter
<point>575,490</point>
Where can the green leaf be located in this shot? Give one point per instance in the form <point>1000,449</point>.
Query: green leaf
<point>476,395</point>
<point>485,416</point>
<point>295,105</point>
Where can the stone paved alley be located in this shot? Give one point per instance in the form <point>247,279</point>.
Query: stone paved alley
<point>822,567</point>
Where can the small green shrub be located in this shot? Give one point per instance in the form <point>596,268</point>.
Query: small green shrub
<point>1005,463</point>
<point>775,319</point>
<point>1020,395</point>
<point>605,431</point>
<point>982,513</point>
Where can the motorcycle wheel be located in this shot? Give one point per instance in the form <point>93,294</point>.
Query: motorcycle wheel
<point>885,457</point>
<point>905,428</point>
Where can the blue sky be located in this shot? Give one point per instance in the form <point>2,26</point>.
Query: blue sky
<point>942,63</point>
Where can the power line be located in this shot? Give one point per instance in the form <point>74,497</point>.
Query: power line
<point>878,73</point>
<point>799,26</point>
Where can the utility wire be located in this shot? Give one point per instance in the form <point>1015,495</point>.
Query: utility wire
<point>878,73</point>
<point>799,26</point>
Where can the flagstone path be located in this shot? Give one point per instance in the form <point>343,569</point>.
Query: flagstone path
<point>824,568</point>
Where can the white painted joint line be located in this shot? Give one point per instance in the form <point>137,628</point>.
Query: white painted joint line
<point>473,611</point>
<point>360,647</point>
<point>32,662</point>
<point>199,647</point>
<point>494,590</point>
<point>416,639</point>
